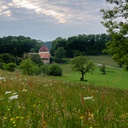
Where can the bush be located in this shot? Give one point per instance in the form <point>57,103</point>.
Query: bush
<point>9,67</point>
<point>103,69</point>
<point>29,68</point>
<point>55,70</point>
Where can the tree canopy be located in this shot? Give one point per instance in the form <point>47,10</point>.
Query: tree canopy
<point>18,45</point>
<point>116,22</point>
<point>81,45</point>
<point>82,65</point>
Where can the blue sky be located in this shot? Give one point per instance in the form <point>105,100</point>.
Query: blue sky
<point>48,19</point>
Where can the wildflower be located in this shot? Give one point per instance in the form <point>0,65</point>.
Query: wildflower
<point>14,93</point>
<point>19,107</point>
<point>81,117</point>
<point>17,117</point>
<point>88,98</point>
<point>21,117</point>
<point>8,92</point>
<point>5,117</point>
<point>34,105</point>
<point>13,97</point>
<point>2,78</point>
<point>12,119</point>
<point>14,122</point>
<point>24,90</point>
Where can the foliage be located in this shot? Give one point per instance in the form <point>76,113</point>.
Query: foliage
<point>10,66</point>
<point>36,102</point>
<point>36,59</point>
<point>44,69</point>
<point>59,54</point>
<point>103,69</point>
<point>82,65</point>
<point>18,45</point>
<point>28,67</point>
<point>55,70</point>
<point>58,42</point>
<point>7,58</point>
<point>81,45</point>
<point>115,20</point>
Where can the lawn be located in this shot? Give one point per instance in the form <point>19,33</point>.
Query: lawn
<point>104,59</point>
<point>113,78</point>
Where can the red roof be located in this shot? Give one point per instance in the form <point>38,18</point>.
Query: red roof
<point>45,55</point>
<point>43,48</point>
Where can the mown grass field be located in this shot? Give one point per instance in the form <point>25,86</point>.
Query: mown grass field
<point>114,77</point>
<point>104,59</point>
<point>64,102</point>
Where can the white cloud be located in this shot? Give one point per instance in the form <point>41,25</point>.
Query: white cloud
<point>63,11</point>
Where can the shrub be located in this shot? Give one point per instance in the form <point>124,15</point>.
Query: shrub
<point>28,67</point>
<point>9,67</point>
<point>55,70</point>
<point>103,69</point>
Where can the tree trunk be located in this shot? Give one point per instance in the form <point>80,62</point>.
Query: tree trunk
<point>82,78</point>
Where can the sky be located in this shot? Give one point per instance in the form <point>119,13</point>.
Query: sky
<point>48,19</point>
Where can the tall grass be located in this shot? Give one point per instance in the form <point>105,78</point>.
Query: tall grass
<point>47,103</point>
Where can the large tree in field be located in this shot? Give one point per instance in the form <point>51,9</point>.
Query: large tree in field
<point>82,65</point>
<point>116,22</point>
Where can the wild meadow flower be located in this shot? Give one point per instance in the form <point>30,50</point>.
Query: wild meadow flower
<point>13,97</point>
<point>24,90</point>
<point>81,117</point>
<point>88,98</point>
<point>8,92</point>
<point>2,78</point>
<point>14,93</point>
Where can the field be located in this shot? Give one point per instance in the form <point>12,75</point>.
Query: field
<point>49,102</point>
<point>114,77</point>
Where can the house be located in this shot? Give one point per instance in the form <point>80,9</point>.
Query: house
<point>44,54</point>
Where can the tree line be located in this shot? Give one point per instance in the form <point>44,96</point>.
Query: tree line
<point>18,45</point>
<point>80,45</point>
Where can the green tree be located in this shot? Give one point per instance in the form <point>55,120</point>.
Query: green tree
<point>1,64</point>
<point>58,42</point>
<point>28,67</point>
<point>9,67</point>
<point>36,59</point>
<point>55,70</point>
<point>103,69</point>
<point>116,22</point>
<point>82,65</point>
<point>44,69</point>
<point>60,54</point>
<point>7,58</point>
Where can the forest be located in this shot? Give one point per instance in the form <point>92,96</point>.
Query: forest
<point>18,45</point>
<point>73,46</point>
<point>81,45</point>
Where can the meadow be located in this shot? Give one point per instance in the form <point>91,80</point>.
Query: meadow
<point>115,77</point>
<point>64,102</point>
<point>44,102</point>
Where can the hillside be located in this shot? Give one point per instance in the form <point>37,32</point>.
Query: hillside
<point>31,101</point>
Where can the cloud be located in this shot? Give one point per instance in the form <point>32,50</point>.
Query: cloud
<point>62,11</point>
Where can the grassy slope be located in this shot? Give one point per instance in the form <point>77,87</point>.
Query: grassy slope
<point>115,77</point>
<point>107,60</point>
<point>47,103</point>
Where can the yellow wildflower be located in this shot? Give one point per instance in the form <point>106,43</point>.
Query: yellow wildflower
<point>81,117</point>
